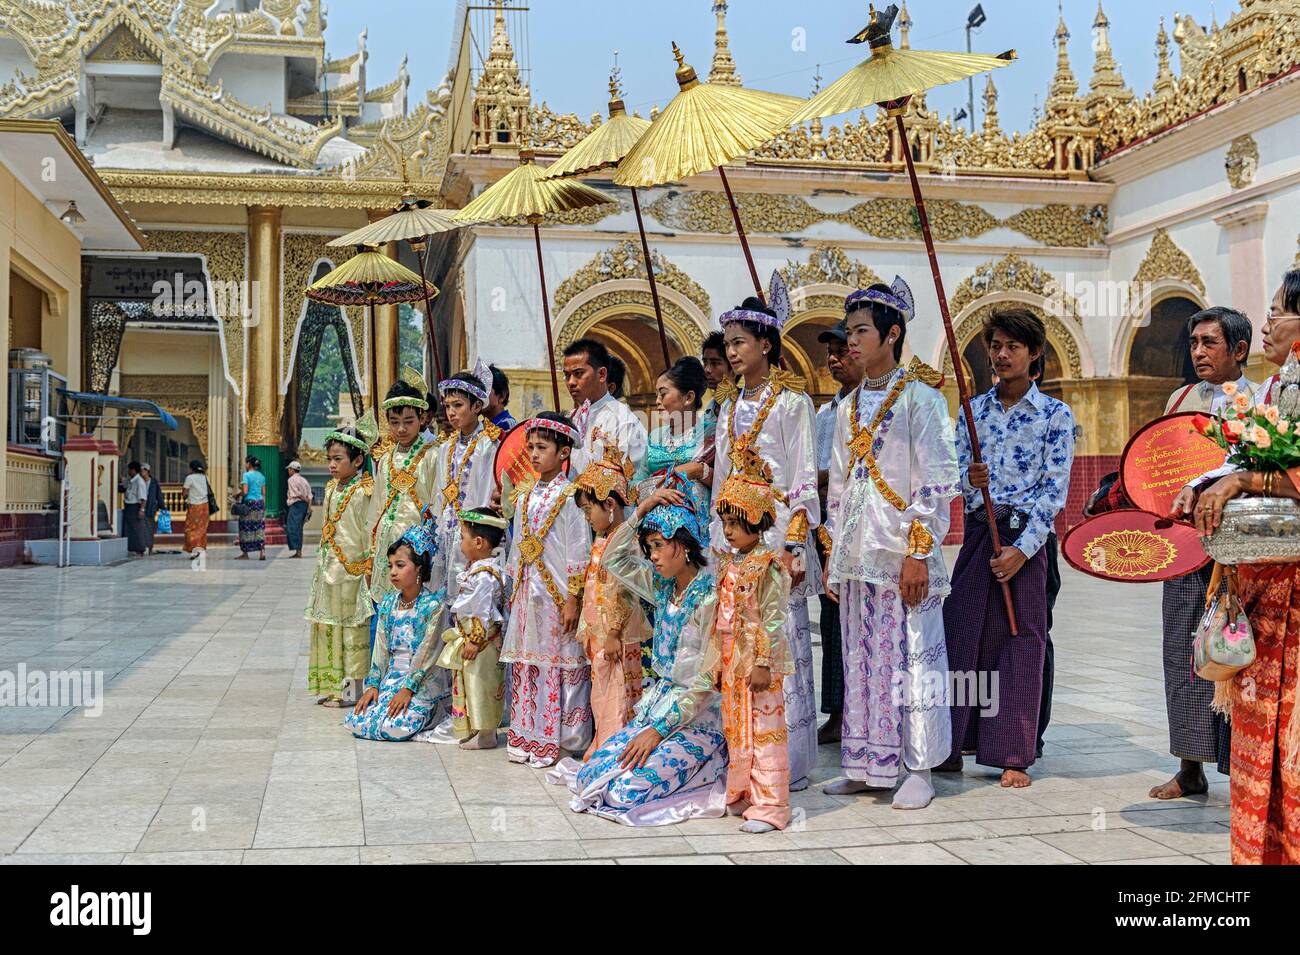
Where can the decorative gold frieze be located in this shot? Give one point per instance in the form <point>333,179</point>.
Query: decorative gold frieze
<point>1057,224</point>
<point>122,46</point>
<point>1012,274</point>
<point>625,261</point>
<point>1242,161</point>
<point>1164,260</point>
<point>827,264</point>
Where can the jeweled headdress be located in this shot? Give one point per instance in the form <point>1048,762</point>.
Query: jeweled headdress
<point>899,298</point>
<point>778,300</point>
<point>668,519</point>
<point>367,433</point>
<point>559,427</point>
<point>416,381</point>
<point>421,538</point>
<point>748,491</point>
<point>613,472</point>
<point>480,391</point>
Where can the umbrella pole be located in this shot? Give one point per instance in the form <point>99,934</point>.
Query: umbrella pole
<point>374,364</point>
<point>650,273</point>
<point>546,314</point>
<point>963,391</point>
<point>740,231</point>
<point>428,318</point>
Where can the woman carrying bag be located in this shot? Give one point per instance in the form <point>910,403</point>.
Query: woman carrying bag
<point>201,504</point>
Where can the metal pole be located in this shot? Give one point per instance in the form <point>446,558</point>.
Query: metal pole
<point>970,87</point>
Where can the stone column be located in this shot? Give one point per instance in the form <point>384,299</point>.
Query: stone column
<point>1243,227</point>
<point>262,345</point>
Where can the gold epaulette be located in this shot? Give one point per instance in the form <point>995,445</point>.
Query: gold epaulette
<point>521,490</point>
<point>726,391</point>
<point>920,371</point>
<point>367,484</point>
<point>331,484</point>
<point>492,431</point>
<point>788,381</point>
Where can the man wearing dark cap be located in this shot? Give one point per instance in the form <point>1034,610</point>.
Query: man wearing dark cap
<point>846,374</point>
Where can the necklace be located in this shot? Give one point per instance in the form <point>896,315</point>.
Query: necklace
<point>876,383</point>
<point>403,605</point>
<point>746,391</point>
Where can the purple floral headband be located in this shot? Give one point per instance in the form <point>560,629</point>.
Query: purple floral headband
<point>479,391</point>
<point>899,298</point>
<point>778,299</point>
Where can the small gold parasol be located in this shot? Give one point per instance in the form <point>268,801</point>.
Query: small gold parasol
<point>371,278</point>
<point>603,148</point>
<point>704,126</point>
<point>524,191</point>
<point>889,78</point>
<point>413,221</point>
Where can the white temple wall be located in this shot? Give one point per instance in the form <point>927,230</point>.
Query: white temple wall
<point>253,80</point>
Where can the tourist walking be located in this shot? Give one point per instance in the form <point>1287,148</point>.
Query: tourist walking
<point>298,507</point>
<point>252,520</point>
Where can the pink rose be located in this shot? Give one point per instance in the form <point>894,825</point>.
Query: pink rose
<point>1241,402</point>
<point>1229,388</point>
<point>1262,440</point>
<point>1272,414</point>
<point>1283,426</point>
<point>1234,428</point>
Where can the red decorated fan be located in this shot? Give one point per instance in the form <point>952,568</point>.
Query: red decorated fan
<point>1133,547</point>
<point>511,464</point>
<point>1162,457</point>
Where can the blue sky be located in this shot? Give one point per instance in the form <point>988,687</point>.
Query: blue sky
<point>571,43</point>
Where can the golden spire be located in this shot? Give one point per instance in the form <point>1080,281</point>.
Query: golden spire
<point>991,128</point>
<point>1064,85</point>
<point>723,71</point>
<point>501,100</point>
<point>904,26</point>
<point>1106,79</point>
<point>1164,84</point>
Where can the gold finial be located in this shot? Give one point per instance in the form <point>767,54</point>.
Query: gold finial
<point>681,59</point>
<point>686,77</point>
<point>723,69</point>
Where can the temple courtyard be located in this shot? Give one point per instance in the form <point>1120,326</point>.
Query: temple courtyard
<point>208,749</point>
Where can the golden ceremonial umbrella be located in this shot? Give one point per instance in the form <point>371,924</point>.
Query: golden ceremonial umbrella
<point>889,78</point>
<point>371,278</point>
<point>524,191</point>
<point>414,221</point>
<point>705,126</point>
<point>602,148</point>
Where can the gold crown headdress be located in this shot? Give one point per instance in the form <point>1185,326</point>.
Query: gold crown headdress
<point>416,381</point>
<point>613,472</point>
<point>748,491</point>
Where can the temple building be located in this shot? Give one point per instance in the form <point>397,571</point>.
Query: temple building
<point>238,148</point>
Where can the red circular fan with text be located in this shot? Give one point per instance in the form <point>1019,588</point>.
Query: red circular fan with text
<point>511,464</point>
<point>1162,457</point>
<point>1133,547</point>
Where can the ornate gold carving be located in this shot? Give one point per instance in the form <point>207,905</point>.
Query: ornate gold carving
<point>1164,260</point>
<point>261,428</point>
<point>1059,225</point>
<point>1012,274</point>
<point>585,216</point>
<point>625,261</point>
<point>709,212</point>
<point>723,72</point>
<point>224,254</point>
<point>1242,161</point>
<point>688,335</point>
<point>183,395</point>
<point>897,219</point>
<point>122,46</point>
<point>500,109</point>
<point>827,264</point>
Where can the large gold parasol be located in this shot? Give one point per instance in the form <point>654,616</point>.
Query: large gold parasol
<point>524,191</point>
<point>889,78</point>
<point>603,148</point>
<point>705,126</point>
<point>414,221</point>
<point>370,278</point>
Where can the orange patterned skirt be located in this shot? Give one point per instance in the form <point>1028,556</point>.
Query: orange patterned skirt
<point>1265,725</point>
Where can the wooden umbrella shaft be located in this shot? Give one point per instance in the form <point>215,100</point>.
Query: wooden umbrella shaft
<point>963,392</point>
<point>546,316</point>
<point>744,242</point>
<point>374,362</point>
<point>650,274</point>
<point>428,317</point>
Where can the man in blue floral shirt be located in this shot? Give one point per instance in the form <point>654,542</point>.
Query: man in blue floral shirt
<point>1027,446</point>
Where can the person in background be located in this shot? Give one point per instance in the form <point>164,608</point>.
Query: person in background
<point>153,503</point>
<point>597,415</point>
<point>839,362</point>
<point>713,356</point>
<point>197,514</point>
<point>495,410</point>
<point>134,493</point>
<point>617,376</point>
<point>252,523</point>
<point>298,503</point>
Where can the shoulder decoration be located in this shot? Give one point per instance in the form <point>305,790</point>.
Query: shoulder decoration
<point>726,390</point>
<point>788,381</point>
<point>918,370</point>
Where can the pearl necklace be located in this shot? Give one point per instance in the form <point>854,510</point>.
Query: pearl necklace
<point>877,383</point>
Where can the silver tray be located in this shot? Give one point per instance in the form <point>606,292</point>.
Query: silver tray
<point>1257,530</point>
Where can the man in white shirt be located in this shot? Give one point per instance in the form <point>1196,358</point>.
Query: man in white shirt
<point>840,364</point>
<point>135,490</point>
<point>598,415</point>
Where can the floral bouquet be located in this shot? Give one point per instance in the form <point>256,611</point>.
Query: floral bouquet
<point>1256,436</point>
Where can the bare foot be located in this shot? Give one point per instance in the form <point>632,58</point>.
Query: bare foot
<point>263,557</point>
<point>243,556</point>
<point>1015,779</point>
<point>1183,784</point>
<point>830,730</point>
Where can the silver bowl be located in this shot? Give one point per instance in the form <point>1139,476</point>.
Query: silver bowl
<point>1257,530</point>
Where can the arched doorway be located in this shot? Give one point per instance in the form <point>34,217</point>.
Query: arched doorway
<point>635,340</point>
<point>1159,358</point>
<point>806,356</point>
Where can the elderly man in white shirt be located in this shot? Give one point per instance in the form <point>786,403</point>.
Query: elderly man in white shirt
<point>135,490</point>
<point>598,415</point>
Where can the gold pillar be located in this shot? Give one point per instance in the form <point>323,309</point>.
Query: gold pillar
<point>1101,410</point>
<point>387,357</point>
<point>262,344</point>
